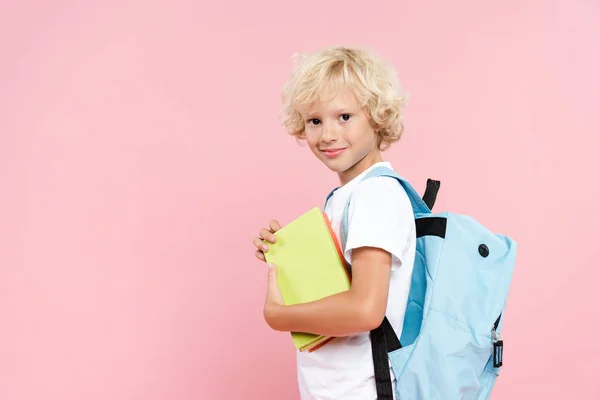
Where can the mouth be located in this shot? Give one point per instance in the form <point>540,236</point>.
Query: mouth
<point>332,153</point>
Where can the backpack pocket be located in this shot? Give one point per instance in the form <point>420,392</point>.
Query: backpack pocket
<point>445,363</point>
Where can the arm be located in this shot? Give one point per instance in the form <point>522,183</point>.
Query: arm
<point>360,309</point>
<point>380,224</point>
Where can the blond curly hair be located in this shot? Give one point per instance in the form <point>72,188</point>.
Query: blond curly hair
<point>371,79</point>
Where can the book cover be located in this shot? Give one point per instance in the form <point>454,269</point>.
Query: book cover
<point>310,266</point>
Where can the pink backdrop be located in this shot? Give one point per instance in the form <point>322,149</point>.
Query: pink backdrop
<point>140,153</point>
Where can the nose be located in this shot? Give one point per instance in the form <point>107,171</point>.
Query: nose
<point>330,134</point>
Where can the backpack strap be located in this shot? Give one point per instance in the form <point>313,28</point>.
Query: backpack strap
<point>380,349</point>
<point>383,338</point>
<point>328,197</point>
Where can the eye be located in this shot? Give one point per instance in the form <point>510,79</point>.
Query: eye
<point>314,121</point>
<point>345,117</point>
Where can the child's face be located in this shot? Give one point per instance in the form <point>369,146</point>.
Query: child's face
<point>339,133</point>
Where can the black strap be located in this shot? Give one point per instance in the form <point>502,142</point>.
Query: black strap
<point>431,191</point>
<point>391,340</point>
<point>431,226</point>
<point>383,341</point>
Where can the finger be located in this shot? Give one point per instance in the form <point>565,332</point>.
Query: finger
<point>274,226</point>
<point>260,255</point>
<point>260,245</point>
<point>267,235</point>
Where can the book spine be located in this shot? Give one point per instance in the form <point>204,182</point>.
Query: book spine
<point>337,245</point>
<point>323,343</point>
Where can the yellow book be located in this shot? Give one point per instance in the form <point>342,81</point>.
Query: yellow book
<point>310,266</point>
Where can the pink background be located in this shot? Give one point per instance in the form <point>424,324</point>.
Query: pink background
<point>141,152</point>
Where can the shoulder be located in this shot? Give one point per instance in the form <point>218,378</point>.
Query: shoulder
<point>380,215</point>
<point>383,191</point>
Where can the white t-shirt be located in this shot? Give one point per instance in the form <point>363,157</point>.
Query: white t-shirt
<point>380,215</point>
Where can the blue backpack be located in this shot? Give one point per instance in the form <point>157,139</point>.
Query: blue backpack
<point>450,347</point>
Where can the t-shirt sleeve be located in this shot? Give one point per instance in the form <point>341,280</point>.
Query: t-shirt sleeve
<point>381,216</point>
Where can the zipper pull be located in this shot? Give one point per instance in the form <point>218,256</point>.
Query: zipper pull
<point>498,348</point>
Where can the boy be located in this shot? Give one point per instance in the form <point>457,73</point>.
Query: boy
<point>346,104</point>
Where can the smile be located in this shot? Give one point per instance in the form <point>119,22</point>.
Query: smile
<point>332,153</point>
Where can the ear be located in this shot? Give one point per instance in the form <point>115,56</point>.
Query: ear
<point>376,127</point>
<point>378,130</point>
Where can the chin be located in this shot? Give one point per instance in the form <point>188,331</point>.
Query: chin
<point>337,166</point>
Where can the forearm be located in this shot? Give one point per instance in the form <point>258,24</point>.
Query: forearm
<point>338,315</point>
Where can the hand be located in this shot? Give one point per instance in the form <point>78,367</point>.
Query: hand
<point>274,302</point>
<point>268,235</point>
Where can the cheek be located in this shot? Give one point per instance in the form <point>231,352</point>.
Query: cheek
<point>365,135</point>
<point>312,138</point>
<point>359,135</point>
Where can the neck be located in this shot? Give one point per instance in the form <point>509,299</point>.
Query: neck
<point>361,166</point>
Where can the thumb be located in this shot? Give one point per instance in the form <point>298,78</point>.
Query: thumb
<point>272,275</point>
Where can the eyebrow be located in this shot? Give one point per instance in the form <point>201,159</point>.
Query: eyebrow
<point>339,111</point>
<point>345,110</point>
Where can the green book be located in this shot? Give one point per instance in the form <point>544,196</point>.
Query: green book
<point>310,266</point>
